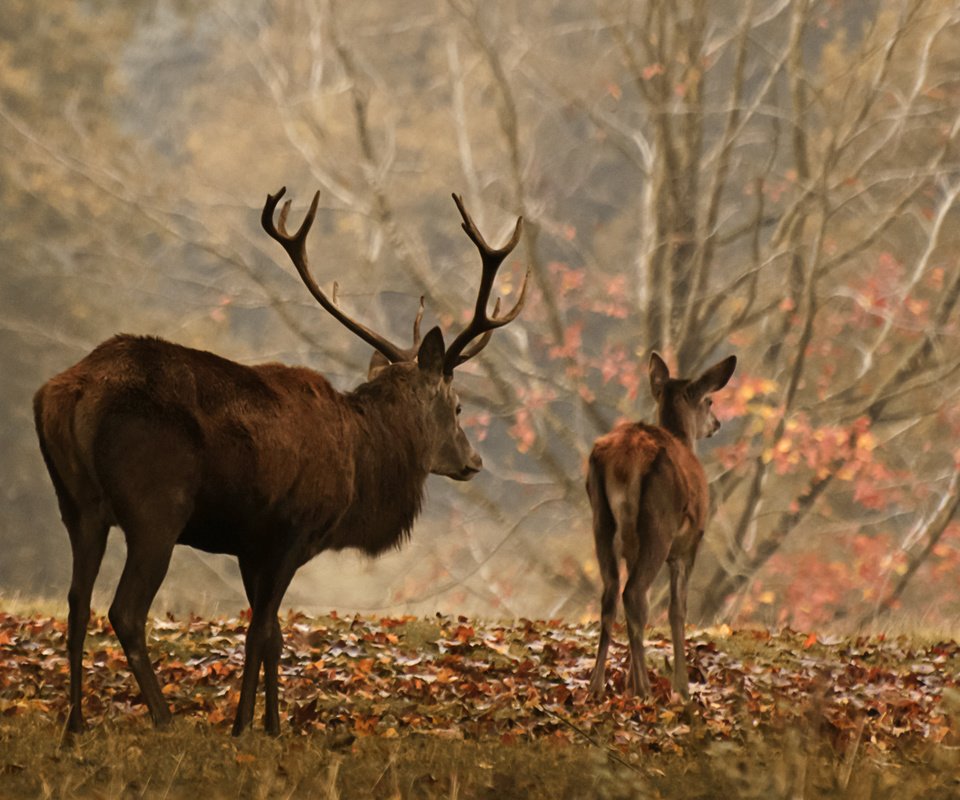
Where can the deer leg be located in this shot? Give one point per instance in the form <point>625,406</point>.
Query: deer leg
<point>271,668</point>
<point>151,490</point>
<point>257,633</point>
<point>88,540</point>
<point>250,576</point>
<point>681,565</point>
<point>253,648</point>
<point>678,615</point>
<point>263,646</point>
<point>270,657</point>
<point>608,615</point>
<point>604,530</point>
<point>144,571</point>
<point>649,551</point>
<point>636,606</point>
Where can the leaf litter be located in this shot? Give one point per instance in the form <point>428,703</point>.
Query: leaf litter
<point>450,677</point>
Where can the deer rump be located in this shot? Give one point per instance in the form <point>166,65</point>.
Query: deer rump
<point>142,429</point>
<point>665,477</point>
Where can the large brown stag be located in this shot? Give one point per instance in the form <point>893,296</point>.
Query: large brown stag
<point>649,497</point>
<point>268,463</point>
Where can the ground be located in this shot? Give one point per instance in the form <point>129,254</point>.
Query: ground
<point>450,707</point>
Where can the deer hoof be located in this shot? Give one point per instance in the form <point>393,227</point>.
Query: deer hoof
<point>76,726</point>
<point>162,717</point>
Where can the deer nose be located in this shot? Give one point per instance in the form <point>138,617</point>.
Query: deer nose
<point>471,468</point>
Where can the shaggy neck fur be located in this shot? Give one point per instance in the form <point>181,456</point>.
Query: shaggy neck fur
<point>669,419</point>
<point>391,464</point>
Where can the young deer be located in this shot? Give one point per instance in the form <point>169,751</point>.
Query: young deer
<point>649,497</point>
<point>267,463</point>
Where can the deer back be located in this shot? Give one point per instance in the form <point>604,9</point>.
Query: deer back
<point>664,468</point>
<point>275,450</point>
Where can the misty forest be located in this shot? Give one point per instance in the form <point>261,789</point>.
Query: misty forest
<point>773,179</point>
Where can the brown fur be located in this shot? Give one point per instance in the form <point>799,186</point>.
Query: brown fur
<point>631,449</point>
<point>267,463</point>
<point>257,474</point>
<point>649,494</point>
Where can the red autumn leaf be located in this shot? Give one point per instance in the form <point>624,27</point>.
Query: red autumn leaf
<point>470,682</point>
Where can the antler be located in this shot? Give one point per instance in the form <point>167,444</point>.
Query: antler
<point>492,258</point>
<point>378,361</point>
<point>295,245</point>
<point>416,327</point>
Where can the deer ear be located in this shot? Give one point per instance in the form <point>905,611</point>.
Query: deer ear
<point>714,378</point>
<point>430,354</point>
<point>659,375</point>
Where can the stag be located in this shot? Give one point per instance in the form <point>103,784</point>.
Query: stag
<point>267,463</point>
<point>649,498</point>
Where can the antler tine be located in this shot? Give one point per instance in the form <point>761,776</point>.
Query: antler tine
<point>282,219</point>
<point>416,325</point>
<point>475,347</point>
<point>295,245</point>
<point>481,323</point>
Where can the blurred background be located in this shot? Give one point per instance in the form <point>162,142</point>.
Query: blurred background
<point>777,179</point>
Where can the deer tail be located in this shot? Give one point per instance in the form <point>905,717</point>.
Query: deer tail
<point>604,524</point>
<point>68,506</point>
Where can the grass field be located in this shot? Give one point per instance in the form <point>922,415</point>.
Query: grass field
<point>458,708</point>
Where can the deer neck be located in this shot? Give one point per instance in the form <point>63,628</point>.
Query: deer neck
<point>390,467</point>
<point>672,422</point>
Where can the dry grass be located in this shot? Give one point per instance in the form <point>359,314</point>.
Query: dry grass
<point>193,760</point>
<point>800,753</point>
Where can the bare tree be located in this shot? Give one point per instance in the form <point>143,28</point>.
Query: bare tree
<point>779,176</point>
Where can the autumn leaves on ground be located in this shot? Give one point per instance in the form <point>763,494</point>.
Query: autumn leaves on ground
<point>451,707</point>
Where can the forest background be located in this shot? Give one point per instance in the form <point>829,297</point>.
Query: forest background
<point>774,178</point>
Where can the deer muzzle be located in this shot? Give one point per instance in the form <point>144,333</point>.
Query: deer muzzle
<point>470,469</point>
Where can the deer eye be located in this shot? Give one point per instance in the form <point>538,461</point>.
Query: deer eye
<point>459,409</point>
